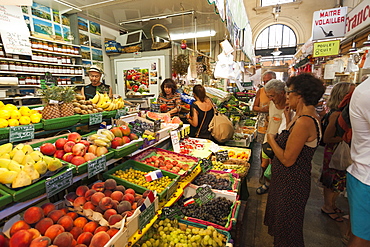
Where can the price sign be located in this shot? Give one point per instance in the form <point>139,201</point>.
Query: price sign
<point>175,141</point>
<point>21,133</point>
<point>56,184</point>
<point>204,195</point>
<point>222,155</point>
<point>121,112</point>
<point>95,118</point>
<point>171,189</point>
<point>172,213</point>
<point>206,165</point>
<point>146,216</point>
<point>96,166</point>
<point>157,125</point>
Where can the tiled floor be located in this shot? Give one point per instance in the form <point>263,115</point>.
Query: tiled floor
<point>319,230</point>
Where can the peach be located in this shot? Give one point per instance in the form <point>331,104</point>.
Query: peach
<point>80,201</point>
<point>89,205</point>
<point>76,231</point>
<point>81,190</point>
<point>4,241</point>
<point>99,210</point>
<point>112,231</point>
<point>123,206</point>
<point>65,210</point>
<point>89,194</point>
<point>107,193</point>
<point>137,197</point>
<point>67,222</point>
<point>48,207</point>
<point>73,215</point>
<point>115,204</point>
<point>22,238</point>
<point>134,206</point>
<point>71,196</point>
<point>17,226</point>
<point>43,225</point>
<point>35,233</point>
<point>95,199</point>
<point>85,238</point>
<point>129,197</point>
<point>130,191</point>
<point>74,243</point>
<point>55,215</point>
<point>99,187</point>
<point>110,184</point>
<point>80,222</point>
<point>121,188</point>
<point>41,242</point>
<point>101,228</point>
<point>64,239</point>
<point>54,231</point>
<point>90,227</point>
<point>127,214</point>
<point>117,195</point>
<point>114,219</point>
<point>106,203</point>
<point>99,239</point>
<point>81,245</point>
<point>33,215</point>
<point>108,213</point>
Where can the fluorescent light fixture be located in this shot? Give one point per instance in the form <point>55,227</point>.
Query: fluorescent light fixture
<point>201,34</point>
<point>276,52</point>
<point>156,17</point>
<point>67,4</point>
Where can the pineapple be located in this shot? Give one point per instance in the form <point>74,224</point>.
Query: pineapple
<point>66,107</point>
<point>52,96</point>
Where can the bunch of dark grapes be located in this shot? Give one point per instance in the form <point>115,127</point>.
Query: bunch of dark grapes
<point>215,183</point>
<point>216,211</point>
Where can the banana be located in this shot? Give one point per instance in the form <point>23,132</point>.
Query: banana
<point>105,104</point>
<point>100,143</point>
<point>103,138</point>
<point>110,107</point>
<point>96,98</point>
<point>107,133</point>
<point>92,137</point>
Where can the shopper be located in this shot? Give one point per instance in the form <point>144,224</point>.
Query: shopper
<point>358,179</point>
<point>96,85</point>
<point>333,180</point>
<point>169,99</point>
<point>201,113</point>
<point>291,165</point>
<point>275,91</point>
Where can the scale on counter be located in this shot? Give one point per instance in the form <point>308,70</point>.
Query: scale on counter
<point>142,99</point>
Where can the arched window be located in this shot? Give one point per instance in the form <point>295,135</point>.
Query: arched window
<point>276,36</point>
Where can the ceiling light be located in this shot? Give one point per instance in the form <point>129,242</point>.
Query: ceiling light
<point>353,49</point>
<point>202,34</point>
<point>157,17</point>
<point>276,52</point>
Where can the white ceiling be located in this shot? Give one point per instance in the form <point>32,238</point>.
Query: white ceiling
<point>112,12</point>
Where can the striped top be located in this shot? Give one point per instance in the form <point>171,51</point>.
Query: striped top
<point>172,101</point>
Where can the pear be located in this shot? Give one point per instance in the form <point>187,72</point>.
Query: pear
<point>22,179</point>
<point>31,171</point>
<point>19,146</point>
<point>41,167</point>
<point>3,170</point>
<point>12,153</point>
<point>8,177</point>
<point>19,156</point>
<point>27,149</point>
<point>54,165</point>
<point>28,159</point>
<point>4,163</point>
<point>14,166</point>
<point>47,159</point>
<point>6,148</point>
<point>36,155</point>
<point>5,156</point>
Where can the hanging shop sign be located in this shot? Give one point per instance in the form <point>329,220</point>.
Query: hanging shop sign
<point>327,48</point>
<point>358,18</point>
<point>329,23</point>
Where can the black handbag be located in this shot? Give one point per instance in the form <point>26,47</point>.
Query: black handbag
<point>267,149</point>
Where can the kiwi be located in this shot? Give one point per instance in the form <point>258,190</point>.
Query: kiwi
<point>94,105</point>
<point>82,102</point>
<point>90,107</point>
<point>76,104</point>
<point>79,97</point>
<point>84,112</point>
<point>83,107</point>
<point>88,102</point>
<point>90,111</point>
<point>95,110</point>
<point>100,109</point>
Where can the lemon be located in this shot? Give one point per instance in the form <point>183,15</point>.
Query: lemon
<point>39,114</point>
<point>4,114</point>
<point>25,111</point>
<point>13,122</point>
<point>25,120</point>
<point>15,114</point>
<point>1,104</point>
<point>3,123</point>
<point>9,107</point>
<point>35,118</point>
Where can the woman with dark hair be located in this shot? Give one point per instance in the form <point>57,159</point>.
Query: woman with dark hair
<point>291,165</point>
<point>201,113</point>
<point>169,99</point>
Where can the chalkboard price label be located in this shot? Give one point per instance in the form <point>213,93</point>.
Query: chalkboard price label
<point>204,195</point>
<point>21,133</point>
<point>57,184</point>
<point>95,118</point>
<point>171,189</point>
<point>206,165</point>
<point>172,213</point>
<point>96,166</point>
<point>146,216</point>
<point>222,155</point>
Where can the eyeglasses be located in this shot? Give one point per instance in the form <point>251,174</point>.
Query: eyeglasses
<point>291,91</point>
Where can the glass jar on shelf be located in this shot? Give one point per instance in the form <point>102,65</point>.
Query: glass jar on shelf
<point>34,44</point>
<point>18,66</point>
<point>38,80</point>
<point>50,47</point>
<point>28,80</point>
<point>64,48</point>
<point>12,66</point>
<point>64,59</point>
<point>45,46</point>
<point>25,67</point>
<point>55,47</point>
<point>33,80</point>
<point>75,49</point>
<point>31,67</point>
<point>68,60</point>
<point>22,80</point>
<point>40,45</point>
<point>4,65</point>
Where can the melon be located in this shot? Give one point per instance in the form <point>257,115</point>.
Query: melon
<point>176,120</point>
<point>164,117</point>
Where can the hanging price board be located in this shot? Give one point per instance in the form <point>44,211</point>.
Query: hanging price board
<point>95,118</point>
<point>222,155</point>
<point>206,165</point>
<point>56,184</point>
<point>175,141</point>
<point>172,213</point>
<point>146,216</point>
<point>121,112</point>
<point>21,133</point>
<point>204,195</point>
<point>96,166</point>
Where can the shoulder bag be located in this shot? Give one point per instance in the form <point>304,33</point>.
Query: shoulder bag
<point>221,127</point>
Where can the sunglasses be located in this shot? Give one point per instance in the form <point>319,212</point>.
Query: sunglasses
<point>289,91</point>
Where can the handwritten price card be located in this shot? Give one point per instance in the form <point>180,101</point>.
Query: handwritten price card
<point>21,133</point>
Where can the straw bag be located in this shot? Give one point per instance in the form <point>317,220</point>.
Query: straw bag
<point>160,45</point>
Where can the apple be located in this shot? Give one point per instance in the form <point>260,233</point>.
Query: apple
<point>48,149</point>
<point>101,150</point>
<point>59,144</point>
<point>86,143</point>
<point>75,137</point>
<point>89,156</point>
<point>59,154</point>
<point>68,146</point>
<point>67,157</point>
<point>92,149</point>
<point>125,139</point>
<point>125,130</point>
<point>78,160</point>
<point>79,149</point>
<point>116,132</point>
<point>116,142</point>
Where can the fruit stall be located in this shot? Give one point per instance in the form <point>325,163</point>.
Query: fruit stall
<point>136,180</point>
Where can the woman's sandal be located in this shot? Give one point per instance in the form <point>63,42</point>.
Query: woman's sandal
<point>338,210</point>
<point>262,189</point>
<point>337,219</point>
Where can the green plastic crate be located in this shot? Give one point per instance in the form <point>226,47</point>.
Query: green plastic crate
<point>4,132</point>
<point>60,123</point>
<point>109,114</point>
<point>140,167</point>
<point>5,198</point>
<point>26,193</point>
<point>129,149</point>
<point>84,118</point>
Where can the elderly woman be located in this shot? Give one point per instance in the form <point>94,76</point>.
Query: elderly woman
<point>169,99</point>
<point>291,165</point>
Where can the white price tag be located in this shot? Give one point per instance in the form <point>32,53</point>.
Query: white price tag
<point>175,141</point>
